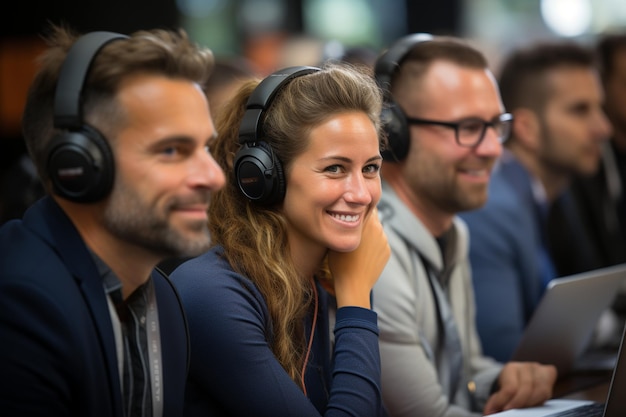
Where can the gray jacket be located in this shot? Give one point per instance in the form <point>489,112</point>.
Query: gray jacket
<point>413,379</point>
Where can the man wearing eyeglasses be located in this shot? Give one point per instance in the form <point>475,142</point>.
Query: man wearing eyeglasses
<point>559,129</point>
<point>445,125</point>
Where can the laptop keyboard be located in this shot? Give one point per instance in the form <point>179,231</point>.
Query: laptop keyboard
<point>587,410</point>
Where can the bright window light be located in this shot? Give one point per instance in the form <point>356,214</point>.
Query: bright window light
<point>567,17</point>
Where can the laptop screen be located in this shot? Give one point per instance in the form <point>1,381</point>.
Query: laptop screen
<point>616,401</point>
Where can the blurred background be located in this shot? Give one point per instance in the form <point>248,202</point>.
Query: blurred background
<point>269,34</point>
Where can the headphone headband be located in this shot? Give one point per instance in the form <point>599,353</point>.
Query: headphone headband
<point>259,174</point>
<point>394,119</point>
<point>389,62</point>
<point>251,127</point>
<point>73,75</point>
<point>79,161</point>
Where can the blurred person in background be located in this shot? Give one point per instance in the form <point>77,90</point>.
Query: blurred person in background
<point>601,198</point>
<point>559,128</point>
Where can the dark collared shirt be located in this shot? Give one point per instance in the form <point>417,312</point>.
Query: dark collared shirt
<point>132,337</point>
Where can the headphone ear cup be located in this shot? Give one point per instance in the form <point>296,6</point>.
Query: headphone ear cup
<point>397,130</point>
<point>80,165</point>
<point>259,174</point>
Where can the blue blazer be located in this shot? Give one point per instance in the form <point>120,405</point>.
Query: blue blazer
<point>505,242</point>
<point>57,347</point>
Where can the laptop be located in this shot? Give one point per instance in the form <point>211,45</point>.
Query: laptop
<point>562,325</point>
<point>615,405</point>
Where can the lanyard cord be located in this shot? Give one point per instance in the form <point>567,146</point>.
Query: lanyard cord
<point>450,363</point>
<point>308,350</point>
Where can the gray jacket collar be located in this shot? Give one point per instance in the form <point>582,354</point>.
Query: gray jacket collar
<point>395,214</point>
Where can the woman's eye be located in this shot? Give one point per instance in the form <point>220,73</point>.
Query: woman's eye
<point>372,168</point>
<point>333,168</point>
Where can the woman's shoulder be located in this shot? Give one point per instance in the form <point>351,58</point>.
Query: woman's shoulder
<point>212,259</point>
<point>210,274</point>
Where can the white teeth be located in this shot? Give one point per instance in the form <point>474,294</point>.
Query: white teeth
<point>346,218</point>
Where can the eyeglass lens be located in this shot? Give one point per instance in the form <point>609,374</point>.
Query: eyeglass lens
<point>472,131</point>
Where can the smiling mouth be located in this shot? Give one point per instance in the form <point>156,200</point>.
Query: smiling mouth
<point>476,172</point>
<point>346,217</point>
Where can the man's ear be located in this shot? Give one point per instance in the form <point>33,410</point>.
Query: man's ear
<point>526,129</point>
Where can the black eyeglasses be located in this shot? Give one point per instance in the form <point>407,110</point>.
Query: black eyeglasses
<point>470,132</point>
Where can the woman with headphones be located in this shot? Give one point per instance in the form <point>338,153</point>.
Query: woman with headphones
<point>280,309</point>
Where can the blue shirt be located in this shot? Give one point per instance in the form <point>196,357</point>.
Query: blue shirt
<point>233,370</point>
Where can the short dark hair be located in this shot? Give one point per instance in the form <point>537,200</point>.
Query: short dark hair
<point>440,48</point>
<point>522,79</point>
<point>606,48</point>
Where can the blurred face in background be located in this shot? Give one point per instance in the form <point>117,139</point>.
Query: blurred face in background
<point>573,124</point>
<point>615,95</point>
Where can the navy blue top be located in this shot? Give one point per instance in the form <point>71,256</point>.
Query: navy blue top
<point>233,370</point>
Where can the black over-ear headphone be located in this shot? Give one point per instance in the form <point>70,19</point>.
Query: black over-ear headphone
<point>79,160</point>
<point>259,174</point>
<point>392,116</point>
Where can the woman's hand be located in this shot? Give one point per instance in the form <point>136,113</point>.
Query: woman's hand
<point>355,273</point>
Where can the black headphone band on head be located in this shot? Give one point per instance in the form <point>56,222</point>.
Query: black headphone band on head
<point>258,173</point>
<point>79,159</point>
<point>393,118</point>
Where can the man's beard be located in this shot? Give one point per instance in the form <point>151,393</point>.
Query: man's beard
<point>130,219</point>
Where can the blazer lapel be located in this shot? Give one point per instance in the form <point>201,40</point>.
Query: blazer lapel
<point>59,231</point>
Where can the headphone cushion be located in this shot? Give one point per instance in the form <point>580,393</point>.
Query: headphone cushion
<point>397,130</point>
<point>80,165</point>
<point>259,174</point>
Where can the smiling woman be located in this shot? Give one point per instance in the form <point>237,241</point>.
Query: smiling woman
<point>332,187</point>
<point>301,150</point>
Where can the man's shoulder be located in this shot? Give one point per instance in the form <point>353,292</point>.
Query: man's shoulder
<point>504,201</point>
<point>210,276</point>
<point>21,246</point>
